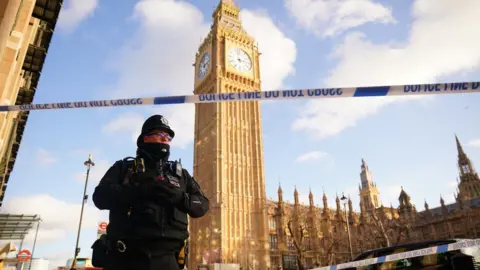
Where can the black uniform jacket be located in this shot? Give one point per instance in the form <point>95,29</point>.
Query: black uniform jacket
<point>115,195</point>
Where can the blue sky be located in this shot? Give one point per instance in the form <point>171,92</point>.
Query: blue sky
<point>107,49</point>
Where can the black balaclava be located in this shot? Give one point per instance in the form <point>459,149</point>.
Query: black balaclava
<point>154,151</point>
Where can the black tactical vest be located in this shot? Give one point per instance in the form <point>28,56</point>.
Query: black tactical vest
<point>153,220</point>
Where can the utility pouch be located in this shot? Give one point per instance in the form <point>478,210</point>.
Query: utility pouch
<point>100,252</point>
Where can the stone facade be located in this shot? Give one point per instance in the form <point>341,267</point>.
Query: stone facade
<point>26,28</point>
<point>244,227</point>
<point>325,234</point>
<point>228,151</point>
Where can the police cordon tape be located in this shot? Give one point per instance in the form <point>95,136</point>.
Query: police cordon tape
<point>374,91</point>
<point>405,255</point>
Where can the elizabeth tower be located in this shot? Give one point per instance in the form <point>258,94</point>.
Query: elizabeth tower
<point>228,153</point>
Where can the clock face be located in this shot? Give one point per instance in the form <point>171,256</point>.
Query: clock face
<point>204,65</point>
<point>239,59</point>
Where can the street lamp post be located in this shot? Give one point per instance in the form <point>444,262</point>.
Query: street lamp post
<point>344,200</point>
<point>89,163</point>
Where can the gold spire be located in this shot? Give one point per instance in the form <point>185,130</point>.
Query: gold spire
<point>464,163</point>
<point>310,198</point>
<point>228,2</point>
<point>295,195</point>
<point>403,194</point>
<point>226,9</point>
<point>461,152</point>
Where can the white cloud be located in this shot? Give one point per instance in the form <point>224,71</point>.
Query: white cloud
<point>474,143</point>
<point>58,217</point>
<point>182,120</point>
<point>59,258</point>
<point>423,57</point>
<point>45,158</point>
<point>180,117</point>
<point>332,17</point>
<point>74,12</point>
<point>131,123</point>
<point>441,42</point>
<point>158,60</point>
<point>312,156</point>
<point>96,172</point>
<point>278,53</point>
<point>326,118</point>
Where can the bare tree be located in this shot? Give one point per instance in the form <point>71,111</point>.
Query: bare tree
<point>380,226</point>
<point>401,229</point>
<point>329,251</point>
<point>395,227</point>
<point>298,238</point>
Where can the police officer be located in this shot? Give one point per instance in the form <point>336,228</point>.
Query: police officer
<point>149,198</point>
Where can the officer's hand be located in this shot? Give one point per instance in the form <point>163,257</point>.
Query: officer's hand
<point>168,193</point>
<point>144,191</point>
<point>144,186</point>
<point>144,178</point>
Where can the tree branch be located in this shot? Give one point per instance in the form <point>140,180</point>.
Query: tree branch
<point>292,234</point>
<point>297,243</point>
<point>379,224</point>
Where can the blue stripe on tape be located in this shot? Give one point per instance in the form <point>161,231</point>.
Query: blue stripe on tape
<point>371,91</point>
<point>442,248</point>
<point>375,91</point>
<point>381,259</point>
<point>333,267</point>
<point>169,100</point>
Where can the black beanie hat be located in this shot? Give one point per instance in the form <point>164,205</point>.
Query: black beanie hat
<point>155,122</point>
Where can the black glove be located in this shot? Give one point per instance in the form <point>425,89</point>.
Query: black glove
<point>168,193</point>
<point>143,186</point>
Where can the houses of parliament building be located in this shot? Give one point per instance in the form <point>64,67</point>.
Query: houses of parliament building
<point>246,228</point>
<point>322,231</point>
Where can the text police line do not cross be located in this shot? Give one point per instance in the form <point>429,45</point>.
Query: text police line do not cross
<point>321,93</point>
